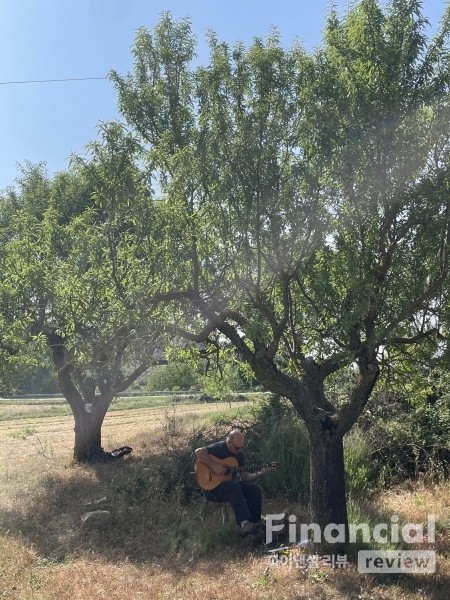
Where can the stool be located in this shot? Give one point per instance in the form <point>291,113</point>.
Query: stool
<point>222,505</point>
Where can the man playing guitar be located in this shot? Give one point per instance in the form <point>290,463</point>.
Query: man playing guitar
<point>244,496</point>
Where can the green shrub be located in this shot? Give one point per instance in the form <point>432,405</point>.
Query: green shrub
<point>287,443</point>
<point>173,376</point>
<point>22,433</point>
<point>275,433</point>
<point>408,439</point>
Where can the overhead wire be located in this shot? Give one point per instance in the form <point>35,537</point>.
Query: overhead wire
<point>51,80</point>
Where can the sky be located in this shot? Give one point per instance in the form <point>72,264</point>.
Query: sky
<point>54,39</point>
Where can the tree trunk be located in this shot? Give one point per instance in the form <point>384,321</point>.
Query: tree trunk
<point>88,424</point>
<point>88,409</point>
<point>327,483</point>
<point>88,429</point>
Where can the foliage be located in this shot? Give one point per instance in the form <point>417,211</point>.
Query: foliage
<point>221,386</point>
<point>22,433</point>
<point>171,377</point>
<point>15,354</point>
<point>407,440</point>
<point>177,473</point>
<point>33,374</point>
<point>276,434</point>
<point>358,462</point>
<point>398,439</point>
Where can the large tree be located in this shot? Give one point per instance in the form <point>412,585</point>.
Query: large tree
<point>77,245</point>
<point>312,192</point>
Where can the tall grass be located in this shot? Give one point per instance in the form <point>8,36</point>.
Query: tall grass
<point>274,433</point>
<point>287,444</point>
<point>357,459</point>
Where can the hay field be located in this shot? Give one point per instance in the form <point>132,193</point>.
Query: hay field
<point>119,427</point>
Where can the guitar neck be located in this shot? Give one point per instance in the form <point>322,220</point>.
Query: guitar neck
<point>247,469</point>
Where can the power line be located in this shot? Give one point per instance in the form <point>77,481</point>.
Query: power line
<point>50,80</point>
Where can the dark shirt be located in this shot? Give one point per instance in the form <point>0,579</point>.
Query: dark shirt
<point>220,450</point>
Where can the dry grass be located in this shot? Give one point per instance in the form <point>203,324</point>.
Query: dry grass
<point>154,547</point>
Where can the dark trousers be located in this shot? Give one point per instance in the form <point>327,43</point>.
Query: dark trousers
<point>244,496</point>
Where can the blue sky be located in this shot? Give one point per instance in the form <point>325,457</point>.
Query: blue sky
<point>54,39</point>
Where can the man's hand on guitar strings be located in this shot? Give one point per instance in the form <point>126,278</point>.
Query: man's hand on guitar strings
<point>219,469</point>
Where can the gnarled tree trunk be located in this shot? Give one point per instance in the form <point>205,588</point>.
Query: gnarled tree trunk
<point>79,385</point>
<point>88,411</point>
<point>327,483</point>
<point>88,428</point>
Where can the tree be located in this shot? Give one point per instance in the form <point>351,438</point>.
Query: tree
<point>77,248</point>
<point>312,192</point>
<point>31,372</point>
<point>173,376</point>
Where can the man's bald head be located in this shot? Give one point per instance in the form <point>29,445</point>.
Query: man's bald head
<point>237,441</point>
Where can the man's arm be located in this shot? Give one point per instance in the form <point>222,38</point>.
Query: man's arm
<point>203,456</point>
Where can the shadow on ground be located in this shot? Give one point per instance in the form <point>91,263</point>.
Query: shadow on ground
<point>155,521</point>
<point>152,520</point>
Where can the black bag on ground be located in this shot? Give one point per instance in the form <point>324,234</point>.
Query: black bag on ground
<point>96,454</point>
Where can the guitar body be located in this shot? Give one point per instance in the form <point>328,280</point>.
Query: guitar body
<point>207,479</point>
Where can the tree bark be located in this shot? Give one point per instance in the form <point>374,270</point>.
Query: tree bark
<point>80,393</point>
<point>88,430</point>
<point>327,483</point>
<point>88,424</point>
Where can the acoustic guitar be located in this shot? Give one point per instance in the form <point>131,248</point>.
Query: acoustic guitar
<point>208,480</point>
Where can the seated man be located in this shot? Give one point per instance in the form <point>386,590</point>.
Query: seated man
<point>244,496</point>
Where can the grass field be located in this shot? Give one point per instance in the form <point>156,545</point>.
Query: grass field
<point>155,546</point>
<point>58,407</point>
